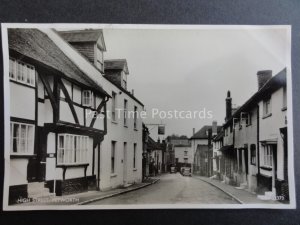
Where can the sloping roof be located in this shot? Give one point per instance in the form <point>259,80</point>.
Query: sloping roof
<point>38,46</point>
<point>153,145</point>
<point>219,136</point>
<point>203,134</point>
<point>273,84</point>
<point>81,35</point>
<point>88,35</point>
<point>116,64</point>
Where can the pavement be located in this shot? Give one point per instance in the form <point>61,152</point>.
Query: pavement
<point>172,189</point>
<point>163,189</point>
<point>87,197</point>
<point>240,195</point>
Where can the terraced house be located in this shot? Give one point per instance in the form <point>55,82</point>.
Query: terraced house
<point>254,150</point>
<point>69,126</point>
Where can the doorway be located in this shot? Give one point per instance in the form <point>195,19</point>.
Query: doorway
<point>125,163</point>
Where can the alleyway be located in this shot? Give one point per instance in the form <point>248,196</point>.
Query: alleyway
<point>172,188</point>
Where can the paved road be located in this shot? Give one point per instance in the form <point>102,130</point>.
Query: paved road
<point>172,188</point>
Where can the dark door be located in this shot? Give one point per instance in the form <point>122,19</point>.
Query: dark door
<point>246,159</point>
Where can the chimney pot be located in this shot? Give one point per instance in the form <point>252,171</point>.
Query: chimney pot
<point>262,77</point>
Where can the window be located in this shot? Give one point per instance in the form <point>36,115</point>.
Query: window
<point>134,155</point>
<point>249,121</point>
<point>185,160</point>
<point>253,154</point>
<point>72,149</point>
<point>267,107</point>
<point>113,106</point>
<point>21,72</point>
<point>21,138</point>
<point>185,153</point>
<point>113,155</point>
<point>135,118</point>
<point>87,98</point>
<point>268,155</point>
<point>125,112</point>
<point>284,100</point>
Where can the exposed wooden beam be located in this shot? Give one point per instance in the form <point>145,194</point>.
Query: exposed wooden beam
<point>51,96</point>
<point>68,100</point>
<point>98,111</point>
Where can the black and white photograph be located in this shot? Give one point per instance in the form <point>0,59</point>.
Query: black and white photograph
<point>107,116</point>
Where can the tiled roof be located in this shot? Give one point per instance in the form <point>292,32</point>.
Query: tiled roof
<point>273,84</point>
<point>81,35</point>
<point>116,64</point>
<point>38,46</point>
<point>202,133</point>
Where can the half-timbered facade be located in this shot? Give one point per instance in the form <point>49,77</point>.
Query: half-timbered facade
<point>122,148</point>
<point>54,145</point>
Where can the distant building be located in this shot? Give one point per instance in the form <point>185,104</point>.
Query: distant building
<point>201,144</point>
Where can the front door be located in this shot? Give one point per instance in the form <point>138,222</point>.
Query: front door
<point>125,163</point>
<point>36,169</point>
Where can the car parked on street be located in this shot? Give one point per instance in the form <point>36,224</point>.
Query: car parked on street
<point>186,171</point>
<point>173,169</point>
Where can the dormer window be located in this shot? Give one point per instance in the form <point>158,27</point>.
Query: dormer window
<point>87,98</point>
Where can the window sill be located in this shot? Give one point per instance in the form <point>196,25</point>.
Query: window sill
<point>267,115</point>
<point>126,126</point>
<point>284,108</point>
<point>22,156</point>
<point>266,168</point>
<point>134,170</point>
<point>135,129</point>
<point>73,165</point>
<point>248,125</point>
<point>113,175</point>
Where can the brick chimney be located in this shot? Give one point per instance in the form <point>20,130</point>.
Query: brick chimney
<point>262,77</point>
<point>214,128</point>
<point>228,106</point>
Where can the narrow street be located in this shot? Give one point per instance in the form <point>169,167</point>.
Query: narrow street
<point>172,188</point>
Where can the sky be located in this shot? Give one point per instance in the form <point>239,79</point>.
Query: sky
<point>192,69</point>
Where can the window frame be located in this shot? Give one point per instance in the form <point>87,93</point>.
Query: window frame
<point>90,98</point>
<point>267,107</point>
<point>134,155</point>
<point>113,106</point>
<point>125,121</point>
<point>26,151</point>
<point>253,154</point>
<point>113,157</point>
<point>268,156</point>
<point>73,147</point>
<point>135,118</point>
<point>14,71</point>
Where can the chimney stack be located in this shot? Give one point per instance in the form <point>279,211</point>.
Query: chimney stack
<point>262,77</point>
<point>228,106</point>
<point>214,128</point>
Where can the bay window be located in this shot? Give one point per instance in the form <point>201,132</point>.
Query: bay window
<point>72,149</point>
<point>21,138</point>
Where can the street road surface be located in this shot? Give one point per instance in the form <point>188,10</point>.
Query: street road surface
<point>170,189</point>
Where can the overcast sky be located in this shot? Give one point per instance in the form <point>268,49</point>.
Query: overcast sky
<point>193,69</point>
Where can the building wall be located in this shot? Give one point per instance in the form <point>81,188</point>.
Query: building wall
<point>116,131</point>
<point>269,129</point>
<point>179,153</point>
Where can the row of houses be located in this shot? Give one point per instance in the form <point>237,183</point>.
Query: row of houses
<point>67,132</point>
<point>250,150</point>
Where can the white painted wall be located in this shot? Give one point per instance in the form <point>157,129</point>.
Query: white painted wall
<point>179,153</point>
